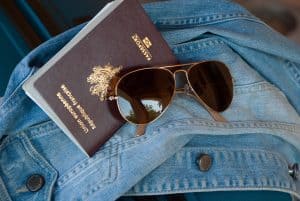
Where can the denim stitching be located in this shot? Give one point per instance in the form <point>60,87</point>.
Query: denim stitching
<point>153,132</point>
<point>233,181</point>
<point>204,19</point>
<point>294,71</point>
<point>202,185</point>
<point>42,130</point>
<point>50,174</point>
<point>230,125</point>
<point>246,150</point>
<point>111,153</point>
<point>192,189</point>
<point>98,185</point>
<point>3,192</point>
<point>127,145</point>
<point>49,127</point>
<point>26,147</point>
<point>17,98</point>
<point>85,164</point>
<point>14,93</point>
<point>32,152</point>
<point>195,45</point>
<point>254,87</point>
<point>292,128</point>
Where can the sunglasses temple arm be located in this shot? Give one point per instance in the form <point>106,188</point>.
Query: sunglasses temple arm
<point>215,115</point>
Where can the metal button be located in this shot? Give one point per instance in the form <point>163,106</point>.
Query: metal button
<point>204,162</point>
<point>294,171</point>
<point>35,182</point>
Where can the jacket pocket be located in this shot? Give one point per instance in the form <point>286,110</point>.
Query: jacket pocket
<point>79,175</point>
<point>20,163</point>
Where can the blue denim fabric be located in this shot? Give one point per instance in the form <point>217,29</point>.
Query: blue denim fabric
<point>252,151</point>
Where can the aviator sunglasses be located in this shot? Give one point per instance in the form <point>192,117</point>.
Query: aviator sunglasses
<point>143,95</point>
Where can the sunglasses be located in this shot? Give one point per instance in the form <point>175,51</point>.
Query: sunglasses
<point>143,95</point>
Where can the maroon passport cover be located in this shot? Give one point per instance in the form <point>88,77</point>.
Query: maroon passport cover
<point>126,37</point>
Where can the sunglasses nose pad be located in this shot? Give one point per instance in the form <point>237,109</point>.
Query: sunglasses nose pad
<point>187,89</point>
<point>181,79</point>
<point>182,85</point>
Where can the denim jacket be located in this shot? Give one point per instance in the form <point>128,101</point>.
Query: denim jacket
<point>257,148</point>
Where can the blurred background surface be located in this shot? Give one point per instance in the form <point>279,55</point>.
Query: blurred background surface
<point>24,24</point>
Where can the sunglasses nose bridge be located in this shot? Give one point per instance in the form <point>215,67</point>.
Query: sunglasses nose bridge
<point>181,80</point>
<point>185,72</point>
<point>182,75</point>
<point>180,70</point>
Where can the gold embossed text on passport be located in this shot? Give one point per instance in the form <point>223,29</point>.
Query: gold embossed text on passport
<point>143,46</point>
<point>76,110</point>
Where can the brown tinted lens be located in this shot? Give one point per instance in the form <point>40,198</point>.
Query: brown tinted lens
<point>212,83</point>
<point>143,95</point>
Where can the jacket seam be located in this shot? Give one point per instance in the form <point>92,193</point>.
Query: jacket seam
<point>194,190</point>
<point>274,125</point>
<point>200,20</point>
<point>15,91</point>
<point>294,71</point>
<point>196,45</point>
<point>244,150</point>
<point>111,153</point>
<point>4,193</point>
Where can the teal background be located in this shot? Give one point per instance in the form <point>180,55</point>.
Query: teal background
<point>12,49</point>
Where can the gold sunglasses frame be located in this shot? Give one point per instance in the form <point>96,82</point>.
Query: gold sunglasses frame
<point>171,69</point>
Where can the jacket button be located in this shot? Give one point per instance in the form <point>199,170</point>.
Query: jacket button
<point>204,162</point>
<point>294,171</point>
<point>35,182</point>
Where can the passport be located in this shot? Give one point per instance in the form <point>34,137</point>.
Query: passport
<point>67,87</point>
